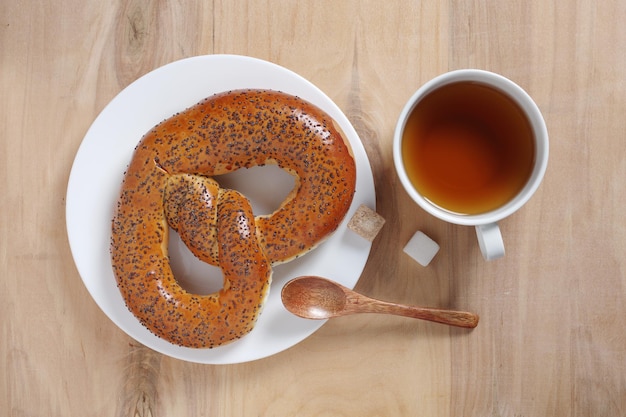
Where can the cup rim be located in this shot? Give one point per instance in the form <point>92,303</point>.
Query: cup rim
<point>538,126</point>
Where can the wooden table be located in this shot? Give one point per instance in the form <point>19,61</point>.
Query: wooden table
<point>551,341</point>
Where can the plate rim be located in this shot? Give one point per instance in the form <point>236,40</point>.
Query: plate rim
<point>199,60</point>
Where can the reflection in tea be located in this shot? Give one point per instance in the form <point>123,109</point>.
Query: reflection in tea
<point>468,148</point>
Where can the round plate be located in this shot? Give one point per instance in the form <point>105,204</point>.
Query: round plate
<point>105,152</point>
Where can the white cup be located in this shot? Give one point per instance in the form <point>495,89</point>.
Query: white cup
<point>487,230</point>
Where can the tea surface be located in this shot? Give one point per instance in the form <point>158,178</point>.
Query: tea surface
<point>467,148</point>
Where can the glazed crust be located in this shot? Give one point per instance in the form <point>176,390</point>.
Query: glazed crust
<point>168,184</point>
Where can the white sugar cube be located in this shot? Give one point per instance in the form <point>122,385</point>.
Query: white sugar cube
<point>421,248</point>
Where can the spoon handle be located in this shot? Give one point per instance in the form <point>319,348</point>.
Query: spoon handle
<point>449,317</point>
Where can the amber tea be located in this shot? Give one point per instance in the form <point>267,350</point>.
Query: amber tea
<point>468,148</point>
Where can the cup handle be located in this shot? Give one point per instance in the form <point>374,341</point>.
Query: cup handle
<point>490,241</point>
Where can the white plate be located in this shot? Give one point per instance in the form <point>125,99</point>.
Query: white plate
<point>105,152</point>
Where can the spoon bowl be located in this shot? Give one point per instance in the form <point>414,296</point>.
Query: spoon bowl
<point>319,298</point>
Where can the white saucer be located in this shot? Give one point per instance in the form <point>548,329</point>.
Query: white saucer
<point>106,150</point>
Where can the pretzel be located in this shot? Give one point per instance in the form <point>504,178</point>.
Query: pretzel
<point>169,183</point>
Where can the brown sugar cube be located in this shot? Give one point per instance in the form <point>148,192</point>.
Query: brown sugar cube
<point>366,222</point>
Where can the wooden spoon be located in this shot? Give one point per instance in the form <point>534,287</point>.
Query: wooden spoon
<point>319,298</point>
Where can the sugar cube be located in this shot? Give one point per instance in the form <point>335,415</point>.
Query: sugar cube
<point>366,222</point>
<point>421,248</point>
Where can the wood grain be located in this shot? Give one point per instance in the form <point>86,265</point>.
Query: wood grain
<point>551,339</point>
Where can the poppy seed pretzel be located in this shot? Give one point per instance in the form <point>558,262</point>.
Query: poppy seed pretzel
<point>168,183</point>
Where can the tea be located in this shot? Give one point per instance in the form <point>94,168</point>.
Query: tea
<point>468,148</point>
